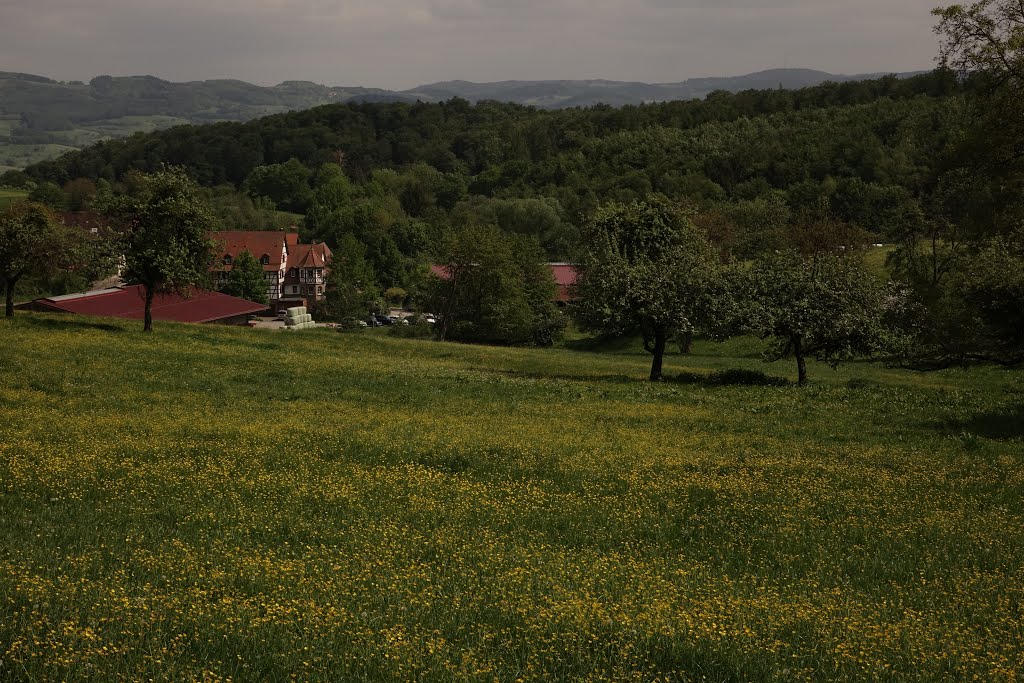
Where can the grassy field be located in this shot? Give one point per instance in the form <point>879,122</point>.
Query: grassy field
<point>8,196</point>
<point>129,125</point>
<point>20,156</point>
<point>214,504</point>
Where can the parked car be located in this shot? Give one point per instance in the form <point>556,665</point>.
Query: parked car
<point>384,320</point>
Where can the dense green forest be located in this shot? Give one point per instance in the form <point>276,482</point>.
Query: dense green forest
<point>872,148</point>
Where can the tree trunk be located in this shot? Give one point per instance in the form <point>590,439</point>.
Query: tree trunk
<point>9,284</point>
<point>148,325</point>
<point>801,362</point>
<point>686,347</point>
<point>659,353</point>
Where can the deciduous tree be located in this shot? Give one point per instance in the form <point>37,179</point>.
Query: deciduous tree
<point>824,305</point>
<point>351,283</point>
<point>34,242</point>
<point>247,279</point>
<point>49,194</point>
<point>497,289</point>
<point>647,268</point>
<point>287,184</point>
<point>167,248</point>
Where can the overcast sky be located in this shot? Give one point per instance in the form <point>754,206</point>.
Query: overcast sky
<point>398,44</point>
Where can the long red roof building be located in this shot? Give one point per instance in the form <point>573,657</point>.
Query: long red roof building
<point>202,306</point>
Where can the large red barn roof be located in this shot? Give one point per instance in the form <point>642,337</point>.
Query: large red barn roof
<point>202,306</point>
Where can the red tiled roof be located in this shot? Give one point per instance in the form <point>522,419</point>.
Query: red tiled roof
<point>308,255</point>
<point>565,273</point>
<point>565,277</point>
<point>129,302</point>
<point>256,242</point>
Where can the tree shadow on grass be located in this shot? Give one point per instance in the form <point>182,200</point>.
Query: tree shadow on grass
<point>1004,424</point>
<point>730,378</point>
<point>68,324</point>
<point>604,344</point>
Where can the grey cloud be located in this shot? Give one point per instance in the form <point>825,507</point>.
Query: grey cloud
<point>401,43</point>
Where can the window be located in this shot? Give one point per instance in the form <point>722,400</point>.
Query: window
<point>293,272</point>
<point>227,259</point>
<point>319,290</point>
<point>265,260</point>
<point>295,289</point>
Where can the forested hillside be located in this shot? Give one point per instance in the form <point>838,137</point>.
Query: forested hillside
<point>872,149</point>
<point>41,118</point>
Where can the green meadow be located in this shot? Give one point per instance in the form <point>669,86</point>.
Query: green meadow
<point>17,156</point>
<point>217,504</point>
<point>9,196</point>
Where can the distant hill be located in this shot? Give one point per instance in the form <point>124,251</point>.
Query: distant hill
<point>561,94</point>
<point>41,118</point>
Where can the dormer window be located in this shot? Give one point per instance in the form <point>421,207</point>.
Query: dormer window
<point>227,259</point>
<point>265,259</point>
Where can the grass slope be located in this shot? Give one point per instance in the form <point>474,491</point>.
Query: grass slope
<point>209,503</point>
<point>8,196</point>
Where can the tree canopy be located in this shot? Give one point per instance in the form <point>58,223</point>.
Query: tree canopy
<point>825,306</point>
<point>247,279</point>
<point>166,248</point>
<point>351,283</point>
<point>647,268</point>
<point>34,242</point>
<point>496,288</point>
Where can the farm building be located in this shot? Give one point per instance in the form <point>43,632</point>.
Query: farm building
<point>296,273</point>
<point>129,302</point>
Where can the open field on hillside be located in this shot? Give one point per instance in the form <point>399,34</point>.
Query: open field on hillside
<point>6,126</point>
<point>209,503</point>
<point>7,196</point>
<point>128,125</point>
<point>22,155</point>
